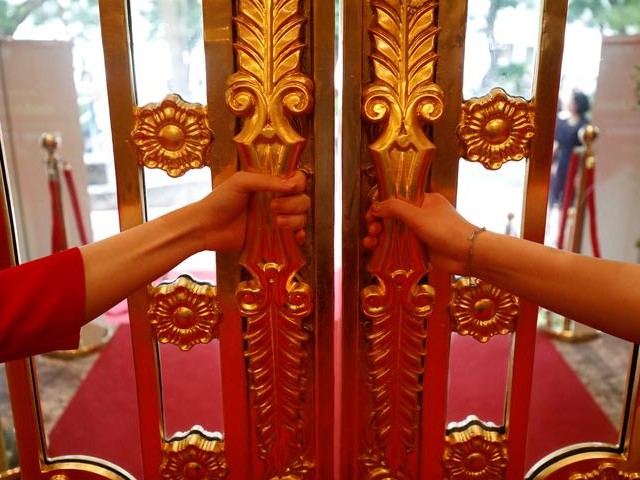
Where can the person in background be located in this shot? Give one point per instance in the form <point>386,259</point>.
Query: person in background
<point>600,293</point>
<point>45,302</point>
<point>566,139</point>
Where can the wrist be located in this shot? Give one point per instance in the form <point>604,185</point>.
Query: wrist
<point>471,269</point>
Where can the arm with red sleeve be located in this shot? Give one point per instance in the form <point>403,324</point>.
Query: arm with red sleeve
<point>42,305</point>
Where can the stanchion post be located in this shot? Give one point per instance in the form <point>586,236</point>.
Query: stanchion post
<point>570,330</point>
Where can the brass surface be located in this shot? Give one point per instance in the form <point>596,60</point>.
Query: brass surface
<point>481,310</point>
<point>475,453</point>
<point>196,456</point>
<point>118,56</point>
<point>184,313</point>
<point>495,129</point>
<point>402,99</point>
<point>267,91</point>
<point>607,471</point>
<point>172,135</point>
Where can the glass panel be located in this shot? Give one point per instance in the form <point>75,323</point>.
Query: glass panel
<point>478,378</point>
<point>578,393</point>
<point>500,47</point>
<point>191,388</point>
<point>169,58</point>
<point>492,199</point>
<point>53,81</point>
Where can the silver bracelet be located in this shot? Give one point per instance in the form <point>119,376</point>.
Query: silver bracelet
<point>472,243</point>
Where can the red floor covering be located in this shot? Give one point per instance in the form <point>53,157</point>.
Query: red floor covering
<point>101,419</point>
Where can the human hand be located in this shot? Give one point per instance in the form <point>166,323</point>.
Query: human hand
<point>436,222</point>
<point>224,211</point>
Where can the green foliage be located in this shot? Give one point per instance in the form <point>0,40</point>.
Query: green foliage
<point>615,17</point>
<point>13,13</point>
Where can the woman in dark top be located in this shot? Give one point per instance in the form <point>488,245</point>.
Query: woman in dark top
<point>566,139</point>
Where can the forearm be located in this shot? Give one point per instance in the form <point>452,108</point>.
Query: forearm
<point>117,266</point>
<point>596,292</point>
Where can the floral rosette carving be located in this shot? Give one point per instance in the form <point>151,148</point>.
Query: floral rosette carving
<point>198,455</point>
<point>495,129</point>
<point>267,91</point>
<point>401,100</point>
<point>172,135</point>
<point>475,453</point>
<point>607,471</point>
<point>184,312</point>
<point>482,310</point>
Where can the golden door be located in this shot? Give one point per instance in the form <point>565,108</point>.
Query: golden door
<point>313,388</point>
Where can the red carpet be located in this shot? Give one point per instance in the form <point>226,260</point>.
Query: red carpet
<point>101,419</point>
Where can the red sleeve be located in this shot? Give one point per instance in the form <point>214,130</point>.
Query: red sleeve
<point>42,305</point>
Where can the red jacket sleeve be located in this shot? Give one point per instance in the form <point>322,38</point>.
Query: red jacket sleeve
<point>42,305</point>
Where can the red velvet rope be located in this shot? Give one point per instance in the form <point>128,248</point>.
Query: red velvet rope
<point>590,199</point>
<point>75,203</point>
<point>58,238</point>
<point>567,198</point>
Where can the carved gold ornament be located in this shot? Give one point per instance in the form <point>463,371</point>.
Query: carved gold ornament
<point>606,471</point>
<point>482,310</point>
<point>184,312</point>
<point>496,128</point>
<point>172,135</point>
<point>267,91</point>
<point>402,99</point>
<point>197,457</point>
<point>475,454</point>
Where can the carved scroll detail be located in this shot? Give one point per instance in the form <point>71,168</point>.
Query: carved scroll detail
<point>172,135</point>
<point>495,129</point>
<point>481,310</point>
<point>196,455</point>
<point>268,89</point>
<point>607,471</point>
<point>402,99</point>
<point>184,312</point>
<point>475,453</point>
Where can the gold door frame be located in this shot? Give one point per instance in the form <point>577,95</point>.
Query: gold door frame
<point>347,441</point>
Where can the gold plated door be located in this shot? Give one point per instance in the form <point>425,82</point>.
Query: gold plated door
<point>311,391</point>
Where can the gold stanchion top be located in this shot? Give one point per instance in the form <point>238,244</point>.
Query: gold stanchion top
<point>50,142</point>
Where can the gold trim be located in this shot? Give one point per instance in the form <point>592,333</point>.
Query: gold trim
<point>184,312</point>
<point>482,310</point>
<point>269,89</point>
<point>495,129</point>
<point>198,456</point>
<point>172,135</point>
<point>403,99</point>
<point>475,453</point>
<point>606,471</point>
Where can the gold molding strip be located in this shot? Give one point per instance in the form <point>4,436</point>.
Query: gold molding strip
<point>403,99</point>
<point>482,310</point>
<point>495,129</point>
<point>269,89</point>
<point>172,135</point>
<point>184,312</point>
